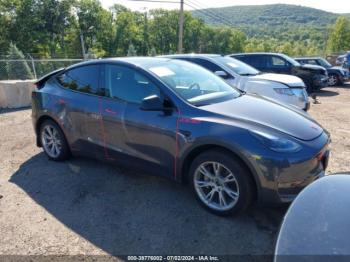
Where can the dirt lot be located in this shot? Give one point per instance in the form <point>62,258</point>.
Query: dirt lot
<point>86,207</point>
<point>333,113</point>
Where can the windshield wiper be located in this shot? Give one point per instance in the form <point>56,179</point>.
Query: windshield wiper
<point>248,74</point>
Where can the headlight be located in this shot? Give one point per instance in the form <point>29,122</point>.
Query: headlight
<point>284,91</point>
<point>277,144</point>
<point>341,71</point>
<point>298,92</point>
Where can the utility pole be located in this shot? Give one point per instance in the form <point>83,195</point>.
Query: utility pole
<point>83,48</point>
<point>181,26</point>
<point>145,46</point>
<point>82,45</point>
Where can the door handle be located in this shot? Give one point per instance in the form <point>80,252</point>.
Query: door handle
<point>110,111</point>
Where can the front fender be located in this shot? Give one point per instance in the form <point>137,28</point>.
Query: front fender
<point>207,143</point>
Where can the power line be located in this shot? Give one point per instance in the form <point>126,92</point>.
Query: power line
<point>209,13</point>
<point>156,1</point>
<point>193,5</point>
<point>196,7</point>
<point>208,9</point>
<point>221,21</point>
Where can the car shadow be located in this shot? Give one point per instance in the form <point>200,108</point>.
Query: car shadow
<point>326,93</point>
<point>331,91</point>
<point>125,212</point>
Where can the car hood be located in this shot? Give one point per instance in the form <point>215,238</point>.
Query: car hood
<point>340,68</point>
<point>257,110</point>
<point>289,80</point>
<point>314,67</point>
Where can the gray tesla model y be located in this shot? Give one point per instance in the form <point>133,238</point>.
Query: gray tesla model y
<point>178,120</point>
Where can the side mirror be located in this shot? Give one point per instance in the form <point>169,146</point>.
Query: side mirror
<point>222,74</point>
<point>152,103</point>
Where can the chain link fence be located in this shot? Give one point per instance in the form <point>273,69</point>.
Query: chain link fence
<point>21,69</point>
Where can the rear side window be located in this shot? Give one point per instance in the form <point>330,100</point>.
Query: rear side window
<point>302,61</point>
<point>257,61</point>
<point>312,62</point>
<point>207,64</point>
<point>242,58</point>
<point>84,79</point>
<point>126,84</point>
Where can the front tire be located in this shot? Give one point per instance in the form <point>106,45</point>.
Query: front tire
<point>221,183</point>
<point>333,80</point>
<point>53,141</point>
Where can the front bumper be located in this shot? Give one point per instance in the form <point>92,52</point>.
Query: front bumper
<point>344,78</point>
<point>290,180</point>
<point>307,106</point>
<point>320,81</point>
<point>288,188</point>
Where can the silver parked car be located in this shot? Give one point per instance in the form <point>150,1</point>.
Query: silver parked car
<point>285,89</point>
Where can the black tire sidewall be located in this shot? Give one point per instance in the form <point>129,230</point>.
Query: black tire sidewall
<point>65,152</point>
<point>241,173</point>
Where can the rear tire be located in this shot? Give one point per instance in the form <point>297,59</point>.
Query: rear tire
<point>221,183</point>
<point>53,141</point>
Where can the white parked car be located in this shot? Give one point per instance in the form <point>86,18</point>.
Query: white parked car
<point>285,89</point>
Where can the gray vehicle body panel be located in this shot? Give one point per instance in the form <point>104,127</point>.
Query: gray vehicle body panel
<point>163,142</point>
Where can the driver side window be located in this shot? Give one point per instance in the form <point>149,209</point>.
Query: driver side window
<point>127,84</point>
<point>312,62</point>
<point>278,62</point>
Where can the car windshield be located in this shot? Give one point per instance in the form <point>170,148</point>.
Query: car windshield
<point>237,66</point>
<point>290,60</point>
<point>193,83</point>
<point>323,62</point>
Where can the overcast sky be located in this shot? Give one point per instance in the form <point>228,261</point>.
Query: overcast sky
<point>336,6</point>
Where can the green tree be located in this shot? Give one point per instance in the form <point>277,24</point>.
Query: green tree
<point>127,31</point>
<point>17,69</point>
<point>163,30</point>
<point>286,48</point>
<point>339,38</point>
<point>5,20</point>
<point>27,26</point>
<point>56,17</point>
<point>95,24</point>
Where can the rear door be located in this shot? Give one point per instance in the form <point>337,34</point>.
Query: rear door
<point>258,61</point>
<point>81,107</point>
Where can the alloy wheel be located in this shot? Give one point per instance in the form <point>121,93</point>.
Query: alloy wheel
<point>51,141</point>
<point>333,80</point>
<point>216,186</point>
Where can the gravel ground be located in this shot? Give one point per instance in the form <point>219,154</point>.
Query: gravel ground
<point>85,207</point>
<point>333,113</point>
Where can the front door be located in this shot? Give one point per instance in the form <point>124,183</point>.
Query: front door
<point>142,139</point>
<point>279,65</point>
